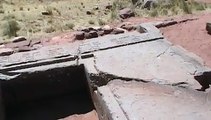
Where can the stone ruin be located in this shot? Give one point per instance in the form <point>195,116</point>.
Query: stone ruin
<point>129,76</point>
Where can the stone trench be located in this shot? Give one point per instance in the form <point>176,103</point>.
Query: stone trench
<point>129,76</point>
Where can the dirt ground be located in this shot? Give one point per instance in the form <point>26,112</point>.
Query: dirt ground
<point>191,35</point>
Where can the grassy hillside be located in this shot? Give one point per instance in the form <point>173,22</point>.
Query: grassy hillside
<point>25,17</point>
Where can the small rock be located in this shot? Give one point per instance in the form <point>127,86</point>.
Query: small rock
<point>109,6</point>
<point>6,51</point>
<point>80,35</point>
<point>87,35</point>
<point>18,39</point>
<point>118,31</point>
<point>100,33</point>
<point>88,12</point>
<point>107,29</point>
<point>93,34</point>
<point>149,4</point>
<point>83,29</point>
<point>97,28</point>
<point>140,29</point>
<point>46,13</point>
<point>126,13</point>
<point>96,8</point>
<point>208,28</point>
<point>127,26</point>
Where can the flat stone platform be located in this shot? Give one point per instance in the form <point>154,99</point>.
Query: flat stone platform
<point>155,78</point>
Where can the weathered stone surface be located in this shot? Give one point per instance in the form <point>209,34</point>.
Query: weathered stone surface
<point>107,105</point>
<point>6,51</point>
<point>149,61</point>
<point>47,52</point>
<point>126,13</point>
<point>152,101</point>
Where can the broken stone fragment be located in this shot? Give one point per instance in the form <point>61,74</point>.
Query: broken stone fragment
<point>118,31</point>
<point>107,29</point>
<point>93,34</point>
<point>100,33</point>
<point>127,26</point>
<point>126,13</point>
<point>6,51</point>
<point>80,35</point>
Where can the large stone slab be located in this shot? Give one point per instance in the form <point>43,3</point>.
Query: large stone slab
<point>157,61</point>
<point>149,101</point>
<point>113,41</point>
<point>48,52</point>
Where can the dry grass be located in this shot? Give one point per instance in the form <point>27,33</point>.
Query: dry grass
<point>64,15</point>
<point>67,15</point>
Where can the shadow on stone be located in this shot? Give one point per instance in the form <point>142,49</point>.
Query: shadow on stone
<point>47,95</point>
<point>204,79</point>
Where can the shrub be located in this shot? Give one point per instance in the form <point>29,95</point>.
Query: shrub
<point>185,7</point>
<point>50,29</point>
<point>154,13</point>
<point>91,22</point>
<point>10,28</point>
<point>69,26</point>
<point>101,22</point>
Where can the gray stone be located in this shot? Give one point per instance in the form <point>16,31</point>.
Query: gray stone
<point>126,13</point>
<point>111,41</point>
<point>151,101</point>
<point>150,60</point>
